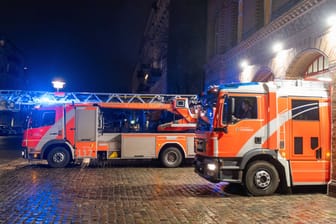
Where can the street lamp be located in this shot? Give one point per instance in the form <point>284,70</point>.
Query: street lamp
<point>58,84</point>
<point>278,46</point>
<point>244,64</point>
<point>331,20</point>
<point>247,71</point>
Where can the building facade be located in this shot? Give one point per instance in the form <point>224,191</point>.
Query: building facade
<point>150,73</point>
<point>172,54</point>
<point>12,66</point>
<point>262,40</point>
<point>12,77</point>
<point>186,46</point>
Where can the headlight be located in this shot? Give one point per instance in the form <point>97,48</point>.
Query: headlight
<point>211,166</point>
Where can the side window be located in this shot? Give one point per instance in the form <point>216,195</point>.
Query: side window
<point>305,110</point>
<point>48,118</point>
<point>114,120</point>
<point>40,118</point>
<point>128,120</point>
<point>245,107</point>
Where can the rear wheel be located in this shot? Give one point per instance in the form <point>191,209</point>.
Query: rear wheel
<point>261,178</point>
<point>171,157</point>
<point>58,157</point>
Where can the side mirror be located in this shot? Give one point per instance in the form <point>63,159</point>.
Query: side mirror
<point>227,110</point>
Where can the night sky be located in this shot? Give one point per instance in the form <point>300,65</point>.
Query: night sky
<point>92,44</point>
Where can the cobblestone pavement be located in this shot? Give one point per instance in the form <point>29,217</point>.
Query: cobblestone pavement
<point>143,193</point>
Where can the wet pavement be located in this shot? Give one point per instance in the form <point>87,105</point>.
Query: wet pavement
<point>143,192</point>
<point>140,194</point>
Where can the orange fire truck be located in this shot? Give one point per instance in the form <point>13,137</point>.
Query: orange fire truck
<point>283,140</point>
<point>123,126</point>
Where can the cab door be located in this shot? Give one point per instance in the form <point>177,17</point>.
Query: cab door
<point>244,133</point>
<point>307,144</point>
<point>86,132</point>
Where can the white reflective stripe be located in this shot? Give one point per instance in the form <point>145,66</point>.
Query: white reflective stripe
<point>285,164</point>
<point>184,125</point>
<point>272,126</point>
<point>70,114</point>
<point>309,183</point>
<point>215,145</point>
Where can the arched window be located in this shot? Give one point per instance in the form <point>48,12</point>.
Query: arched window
<point>319,65</point>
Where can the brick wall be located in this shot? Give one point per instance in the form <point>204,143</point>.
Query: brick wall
<point>332,184</point>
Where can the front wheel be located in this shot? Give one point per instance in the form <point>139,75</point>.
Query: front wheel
<point>171,157</point>
<point>58,157</point>
<point>261,178</point>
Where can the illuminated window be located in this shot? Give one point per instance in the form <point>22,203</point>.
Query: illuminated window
<point>319,65</point>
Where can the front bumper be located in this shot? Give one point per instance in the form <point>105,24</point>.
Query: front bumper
<point>30,156</point>
<point>216,169</point>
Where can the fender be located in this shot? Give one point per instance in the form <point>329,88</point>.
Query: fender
<point>256,152</point>
<point>172,143</point>
<point>57,142</point>
<point>270,153</point>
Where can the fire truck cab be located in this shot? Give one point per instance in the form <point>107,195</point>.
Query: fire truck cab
<point>128,129</point>
<point>265,135</point>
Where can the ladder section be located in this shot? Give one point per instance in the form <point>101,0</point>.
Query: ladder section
<point>22,97</point>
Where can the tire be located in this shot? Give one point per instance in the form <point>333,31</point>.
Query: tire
<point>58,157</point>
<point>261,178</point>
<point>171,157</point>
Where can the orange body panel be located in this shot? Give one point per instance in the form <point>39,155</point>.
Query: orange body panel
<point>181,139</point>
<point>310,172</point>
<point>86,149</point>
<point>237,137</point>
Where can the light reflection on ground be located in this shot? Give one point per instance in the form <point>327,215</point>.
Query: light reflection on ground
<point>145,194</point>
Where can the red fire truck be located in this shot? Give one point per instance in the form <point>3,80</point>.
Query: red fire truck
<point>123,126</point>
<point>265,136</point>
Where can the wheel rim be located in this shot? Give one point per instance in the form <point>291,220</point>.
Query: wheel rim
<point>262,179</point>
<point>171,157</point>
<point>58,157</point>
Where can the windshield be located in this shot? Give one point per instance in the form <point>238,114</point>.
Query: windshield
<point>208,105</point>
